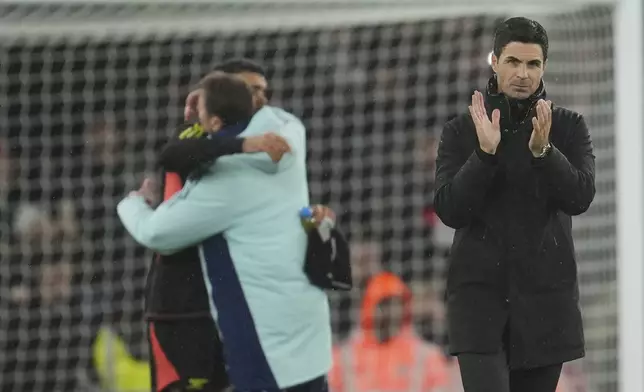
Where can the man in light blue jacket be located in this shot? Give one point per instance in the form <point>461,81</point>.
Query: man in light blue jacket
<point>274,324</point>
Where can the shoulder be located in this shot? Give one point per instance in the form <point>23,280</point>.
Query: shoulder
<point>459,131</point>
<point>568,125</point>
<point>461,123</point>
<point>283,115</point>
<point>270,118</point>
<point>288,119</point>
<point>292,127</point>
<point>263,121</point>
<point>566,116</point>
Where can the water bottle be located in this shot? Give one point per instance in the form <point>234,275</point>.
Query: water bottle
<point>309,223</point>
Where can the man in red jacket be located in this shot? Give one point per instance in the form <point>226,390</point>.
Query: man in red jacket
<point>385,353</point>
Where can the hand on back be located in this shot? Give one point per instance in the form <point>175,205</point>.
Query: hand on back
<point>272,144</point>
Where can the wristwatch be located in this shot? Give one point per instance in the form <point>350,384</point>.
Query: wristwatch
<point>544,152</point>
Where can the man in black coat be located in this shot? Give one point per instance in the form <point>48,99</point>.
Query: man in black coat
<point>510,174</point>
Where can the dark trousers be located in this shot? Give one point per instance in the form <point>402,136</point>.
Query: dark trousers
<point>186,355</point>
<point>490,373</point>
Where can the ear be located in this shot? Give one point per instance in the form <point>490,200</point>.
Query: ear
<point>545,63</point>
<point>215,123</point>
<point>495,62</point>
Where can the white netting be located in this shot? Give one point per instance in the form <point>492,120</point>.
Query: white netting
<point>83,115</point>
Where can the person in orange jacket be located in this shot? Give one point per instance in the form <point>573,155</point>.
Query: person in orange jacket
<point>385,353</point>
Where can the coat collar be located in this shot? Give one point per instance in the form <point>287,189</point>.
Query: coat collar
<point>495,99</point>
<point>232,130</point>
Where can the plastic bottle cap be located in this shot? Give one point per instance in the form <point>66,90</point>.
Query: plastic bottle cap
<point>306,212</point>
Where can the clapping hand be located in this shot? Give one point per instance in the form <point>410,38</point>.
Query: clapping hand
<point>541,128</point>
<point>488,132</point>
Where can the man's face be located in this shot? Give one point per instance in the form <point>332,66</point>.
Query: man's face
<point>259,87</point>
<point>208,122</point>
<point>519,69</point>
<point>389,318</point>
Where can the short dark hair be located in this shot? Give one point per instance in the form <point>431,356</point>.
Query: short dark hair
<point>235,66</point>
<point>520,29</point>
<point>227,97</point>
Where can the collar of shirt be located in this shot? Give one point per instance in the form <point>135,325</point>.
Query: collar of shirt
<point>231,130</point>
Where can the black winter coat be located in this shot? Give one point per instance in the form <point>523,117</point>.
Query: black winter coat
<point>512,280</point>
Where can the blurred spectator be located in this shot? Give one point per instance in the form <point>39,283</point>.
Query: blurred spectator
<point>108,165</point>
<point>116,368</point>
<point>41,296</point>
<point>366,259</point>
<point>55,283</point>
<point>43,273</point>
<point>441,235</point>
<point>34,225</point>
<point>104,144</point>
<point>60,288</point>
<point>385,353</point>
<point>426,152</point>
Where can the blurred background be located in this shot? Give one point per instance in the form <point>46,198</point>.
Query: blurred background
<point>89,92</point>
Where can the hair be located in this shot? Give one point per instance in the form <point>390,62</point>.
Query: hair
<point>235,66</point>
<point>227,97</point>
<point>520,29</point>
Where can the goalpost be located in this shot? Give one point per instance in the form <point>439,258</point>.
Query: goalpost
<point>89,90</point>
<point>629,143</point>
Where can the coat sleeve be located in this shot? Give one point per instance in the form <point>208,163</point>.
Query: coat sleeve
<point>462,179</point>
<point>200,210</point>
<point>185,155</point>
<point>571,177</point>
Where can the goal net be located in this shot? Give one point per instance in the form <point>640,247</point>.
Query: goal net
<point>89,92</point>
